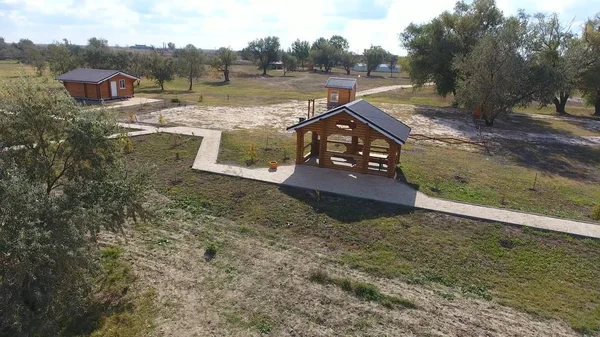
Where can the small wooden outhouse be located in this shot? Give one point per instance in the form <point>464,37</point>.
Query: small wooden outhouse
<point>340,91</point>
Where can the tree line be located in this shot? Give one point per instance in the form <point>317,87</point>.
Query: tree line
<point>491,63</point>
<point>191,62</point>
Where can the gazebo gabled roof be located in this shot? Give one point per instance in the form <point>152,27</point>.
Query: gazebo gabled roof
<point>372,116</point>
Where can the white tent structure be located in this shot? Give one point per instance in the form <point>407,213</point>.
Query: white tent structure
<point>382,68</point>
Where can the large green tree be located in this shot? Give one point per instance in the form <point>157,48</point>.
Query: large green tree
<point>60,58</point>
<point>223,60</point>
<point>162,69</point>
<point>97,54</point>
<point>499,72</point>
<point>374,56</point>
<point>190,63</point>
<point>590,51</point>
<point>324,54</point>
<point>301,50</point>
<point>433,46</point>
<point>62,181</point>
<point>264,51</point>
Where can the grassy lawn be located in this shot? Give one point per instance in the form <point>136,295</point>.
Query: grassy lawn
<point>567,184</point>
<point>247,87</point>
<point>550,275</point>
<point>567,181</point>
<point>257,148</point>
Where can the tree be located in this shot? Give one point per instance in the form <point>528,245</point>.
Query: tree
<point>161,70</point>
<point>223,60</point>
<point>374,56</point>
<point>60,59</point>
<point>63,185</point>
<point>26,51</point>
<point>290,63</point>
<point>348,61</point>
<point>97,54</point>
<point>392,61</point>
<point>589,85</point>
<point>264,51</point>
<point>552,42</point>
<point>39,62</point>
<point>120,60</point>
<point>324,54</point>
<point>432,47</point>
<point>499,72</point>
<point>301,50</point>
<point>339,43</point>
<point>190,60</point>
<point>139,65</point>
<point>171,46</point>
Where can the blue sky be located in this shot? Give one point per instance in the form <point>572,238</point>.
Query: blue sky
<point>213,24</point>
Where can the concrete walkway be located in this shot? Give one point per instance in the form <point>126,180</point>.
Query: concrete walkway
<point>361,186</point>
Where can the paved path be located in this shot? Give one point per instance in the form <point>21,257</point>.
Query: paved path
<point>361,185</point>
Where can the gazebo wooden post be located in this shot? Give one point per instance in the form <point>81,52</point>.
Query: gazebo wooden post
<point>314,146</point>
<point>323,143</point>
<point>299,146</point>
<point>392,159</point>
<point>366,151</point>
<point>354,146</point>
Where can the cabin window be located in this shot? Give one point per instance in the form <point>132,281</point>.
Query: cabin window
<point>122,84</point>
<point>334,96</point>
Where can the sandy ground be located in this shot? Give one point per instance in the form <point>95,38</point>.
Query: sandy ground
<point>129,102</point>
<point>280,116</point>
<point>254,282</point>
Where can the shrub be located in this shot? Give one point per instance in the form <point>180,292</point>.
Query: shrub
<point>596,212</point>
<point>319,276</point>
<point>175,100</point>
<point>127,145</point>
<point>367,292</point>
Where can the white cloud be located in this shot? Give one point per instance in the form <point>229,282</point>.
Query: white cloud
<point>210,24</point>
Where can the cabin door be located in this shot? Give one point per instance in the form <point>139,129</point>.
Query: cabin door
<point>113,89</point>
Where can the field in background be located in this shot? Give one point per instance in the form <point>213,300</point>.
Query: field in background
<point>546,274</point>
<point>249,87</point>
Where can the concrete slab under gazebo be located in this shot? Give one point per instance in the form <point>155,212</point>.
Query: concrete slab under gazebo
<point>356,136</point>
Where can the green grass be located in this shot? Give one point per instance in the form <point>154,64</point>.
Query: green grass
<point>427,96</point>
<point>247,87</point>
<point>547,274</point>
<point>257,148</point>
<point>363,291</point>
<point>567,181</point>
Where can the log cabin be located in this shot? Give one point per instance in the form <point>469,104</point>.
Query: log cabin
<point>340,91</point>
<point>356,136</point>
<point>98,84</point>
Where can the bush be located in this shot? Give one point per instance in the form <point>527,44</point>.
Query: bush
<point>175,100</point>
<point>596,212</point>
<point>319,276</point>
<point>367,292</point>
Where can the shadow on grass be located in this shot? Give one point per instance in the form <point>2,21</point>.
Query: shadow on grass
<point>216,84</point>
<point>163,92</point>
<point>571,161</point>
<point>343,208</point>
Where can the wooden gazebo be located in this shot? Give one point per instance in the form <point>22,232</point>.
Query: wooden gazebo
<point>356,137</point>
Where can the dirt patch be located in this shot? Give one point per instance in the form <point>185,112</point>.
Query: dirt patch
<point>430,121</point>
<point>259,283</point>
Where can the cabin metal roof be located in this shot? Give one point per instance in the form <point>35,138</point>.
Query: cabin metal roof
<point>372,116</point>
<point>340,83</point>
<point>85,75</point>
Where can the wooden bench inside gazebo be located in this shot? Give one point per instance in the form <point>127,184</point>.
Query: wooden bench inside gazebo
<point>357,137</point>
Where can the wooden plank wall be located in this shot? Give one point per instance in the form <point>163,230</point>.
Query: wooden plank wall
<point>329,126</point>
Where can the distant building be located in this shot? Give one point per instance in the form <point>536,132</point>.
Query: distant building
<point>382,68</point>
<point>141,47</point>
<point>98,84</point>
<point>276,65</point>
